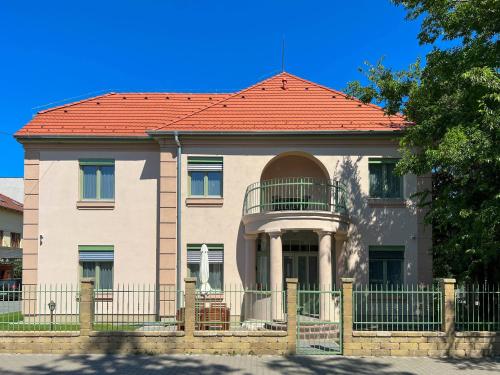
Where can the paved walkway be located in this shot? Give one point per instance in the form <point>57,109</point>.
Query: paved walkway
<point>211,365</point>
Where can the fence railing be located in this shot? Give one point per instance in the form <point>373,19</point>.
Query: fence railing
<point>295,194</point>
<point>138,308</point>
<point>236,308</point>
<point>39,307</point>
<point>477,308</point>
<point>397,308</point>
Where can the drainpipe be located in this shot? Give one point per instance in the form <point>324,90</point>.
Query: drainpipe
<point>178,221</point>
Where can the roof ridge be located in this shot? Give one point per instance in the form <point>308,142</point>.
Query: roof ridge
<point>170,93</point>
<point>221,101</point>
<point>74,103</point>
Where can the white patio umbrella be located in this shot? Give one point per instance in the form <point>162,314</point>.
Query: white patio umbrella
<point>204,272</point>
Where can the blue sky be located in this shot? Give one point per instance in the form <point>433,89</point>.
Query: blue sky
<point>52,50</point>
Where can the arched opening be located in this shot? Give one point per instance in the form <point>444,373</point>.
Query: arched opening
<point>294,164</point>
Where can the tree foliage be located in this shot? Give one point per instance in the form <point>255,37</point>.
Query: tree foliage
<point>454,102</point>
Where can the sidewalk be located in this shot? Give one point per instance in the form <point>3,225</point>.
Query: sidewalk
<point>211,365</point>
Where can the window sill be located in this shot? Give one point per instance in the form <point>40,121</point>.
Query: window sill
<point>95,205</point>
<point>387,202</point>
<point>204,202</point>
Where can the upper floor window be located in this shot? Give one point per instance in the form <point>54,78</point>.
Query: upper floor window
<point>386,264</point>
<point>205,176</point>
<point>15,239</point>
<point>97,179</point>
<point>97,262</point>
<point>384,182</point>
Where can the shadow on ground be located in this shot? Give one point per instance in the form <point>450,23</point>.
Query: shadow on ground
<point>208,365</point>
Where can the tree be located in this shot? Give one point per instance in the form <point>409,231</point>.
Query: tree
<point>454,103</point>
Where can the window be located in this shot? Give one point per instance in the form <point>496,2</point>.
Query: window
<point>215,264</point>
<point>15,240</point>
<point>205,176</point>
<point>384,183</point>
<point>97,262</point>
<point>1,238</point>
<point>386,264</point>
<point>97,179</point>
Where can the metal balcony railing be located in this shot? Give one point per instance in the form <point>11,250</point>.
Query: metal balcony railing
<point>295,194</point>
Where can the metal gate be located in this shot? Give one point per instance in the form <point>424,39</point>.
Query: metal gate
<point>319,322</point>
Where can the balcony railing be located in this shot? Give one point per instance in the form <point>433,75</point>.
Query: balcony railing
<point>295,194</point>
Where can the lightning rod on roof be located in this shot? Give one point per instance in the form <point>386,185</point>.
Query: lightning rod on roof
<point>283,55</point>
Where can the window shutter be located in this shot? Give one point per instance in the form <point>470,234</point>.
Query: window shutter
<point>215,253</point>
<point>200,163</point>
<point>91,253</point>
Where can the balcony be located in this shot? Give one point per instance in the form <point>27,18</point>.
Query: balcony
<point>295,194</point>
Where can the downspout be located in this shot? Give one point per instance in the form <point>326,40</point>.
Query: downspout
<point>178,221</point>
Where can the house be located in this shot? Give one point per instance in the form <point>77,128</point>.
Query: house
<point>286,178</point>
<point>11,233</point>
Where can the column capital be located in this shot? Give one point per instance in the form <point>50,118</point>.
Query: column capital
<point>322,232</point>
<point>274,232</point>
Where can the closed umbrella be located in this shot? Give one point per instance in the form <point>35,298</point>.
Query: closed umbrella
<point>204,272</point>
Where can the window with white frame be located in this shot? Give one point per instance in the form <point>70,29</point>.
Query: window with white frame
<point>215,264</point>
<point>205,176</point>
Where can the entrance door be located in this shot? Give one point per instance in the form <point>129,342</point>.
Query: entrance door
<point>303,266</point>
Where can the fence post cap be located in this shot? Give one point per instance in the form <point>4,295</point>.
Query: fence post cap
<point>347,280</point>
<point>292,280</point>
<point>190,279</point>
<point>87,280</point>
<point>448,281</point>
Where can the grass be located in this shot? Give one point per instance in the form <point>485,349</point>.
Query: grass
<point>14,321</point>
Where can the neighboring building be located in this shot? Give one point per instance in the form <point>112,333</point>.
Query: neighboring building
<point>284,178</point>
<point>11,233</point>
<point>12,187</point>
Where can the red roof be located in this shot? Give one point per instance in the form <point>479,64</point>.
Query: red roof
<point>10,204</point>
<point>283,102</point>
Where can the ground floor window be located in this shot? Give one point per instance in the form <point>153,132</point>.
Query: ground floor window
<point>215,264</point>
<point>386,264</point>
<point>97,262</point>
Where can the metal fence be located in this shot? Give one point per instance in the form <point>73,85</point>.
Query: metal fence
<point>397,308</point>
<point>236,308</point>
<point>295,194</point>
<point>138,308</point>
<point>38,307</point>
<point>477,308</point>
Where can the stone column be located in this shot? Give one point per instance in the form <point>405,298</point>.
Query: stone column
<point>291,312</point>
<point>325,273</point>
<point>276,275</point>
<point>347,311</point>
<point>86,306</point>
<point>448,290</point>
<point>189,309</point>
<point>250,260</point>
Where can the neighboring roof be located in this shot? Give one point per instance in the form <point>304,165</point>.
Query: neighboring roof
<point>281,103</point>
<point>10,204</point>
<point>117,114</point>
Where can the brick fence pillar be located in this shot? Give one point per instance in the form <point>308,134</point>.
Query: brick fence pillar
<point>291,308</point>
<point>189,309</point>
<point>86,306</point>
<point>347,301</point>
<point>448,320</point>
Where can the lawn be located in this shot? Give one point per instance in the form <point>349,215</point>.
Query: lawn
<point>14,321</point>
